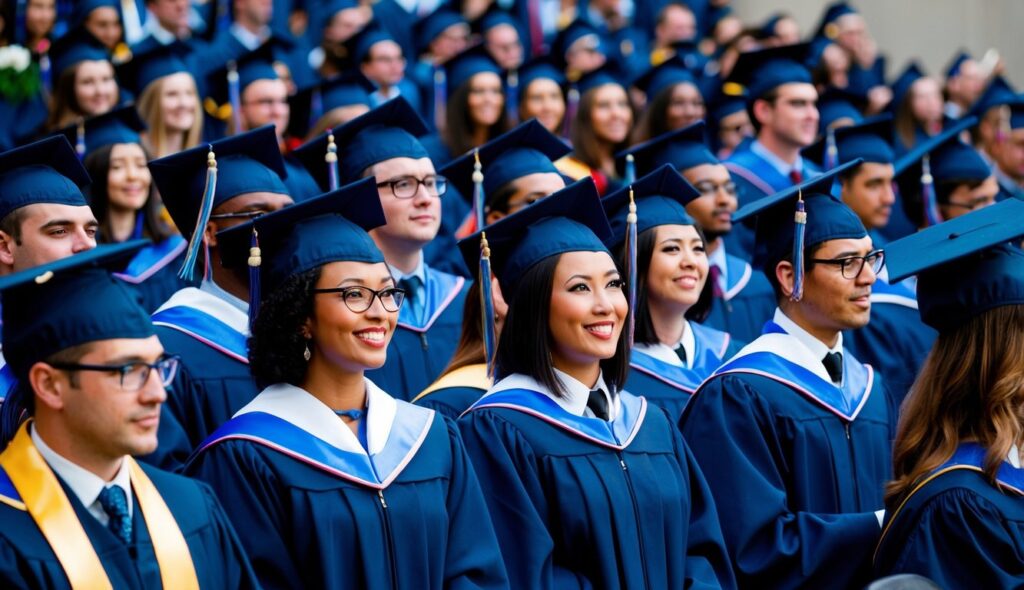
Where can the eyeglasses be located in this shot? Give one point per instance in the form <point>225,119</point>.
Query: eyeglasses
<point>134,376</point>
<point>407,186</point>
<point>242,215</point>
<point>852,266</point>
<point>359,299</point>
<point>709,188</point>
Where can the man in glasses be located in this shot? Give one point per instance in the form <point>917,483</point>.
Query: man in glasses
<point>794,432</point>
<point>208,325</point>
<point>75,509</point>
<point>383,143</point>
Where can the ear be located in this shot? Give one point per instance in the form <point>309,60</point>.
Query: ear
<point>49,385</point>
<point>210,234</point>
<point>763,111</point>
<point>7,245</point>
<point>784,273</point>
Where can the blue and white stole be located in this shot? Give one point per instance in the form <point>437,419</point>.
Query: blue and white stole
<point>899,294</point>
<point>709,353</point>
<point>440,289</point>
<point>293,422</point>
<point>617,434</point>
<point>151,259</point>
<point>738,273</point>
<point>782,358</point>
<point>209,319</point>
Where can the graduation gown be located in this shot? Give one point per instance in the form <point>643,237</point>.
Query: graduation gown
<point>797,470</point>
<point>419,351</point>
<point>958,529</point>
<point>27,561</point>
<point>670,386</point>
<point>454,392</point>
<point>213,380</point>
<point>579,502</point>
<point>315,510</point>
<point>153,272</point>
<point>747,303</point>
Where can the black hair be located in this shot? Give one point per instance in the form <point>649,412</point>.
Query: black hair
<point>913,201</point>
<point>277,343</point>
<point>769,268</point>
<point>11,224</point>
<point>458,135</point>
<point>769,97</point>
<point>525,343</point>
<point>97,164</point>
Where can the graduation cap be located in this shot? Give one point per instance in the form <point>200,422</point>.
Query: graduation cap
<point>225,84</point>
<point>536,69</point>
<point>725,100</point>
<point>73,48</point>
<point>151,63</point>
<point>819,217</point>
<point>495,17</point>
<point>83,8</point>
<point>320,14</point>
<point>901,87</point>
<point>836,104</point>
<point>660,198</point>
<point>576,31</point>
<point>870,141</point>
<point>683,149</point>
<point>767,28</point>
<point>432,25</point>
<point>529,148</point>
<point>462,67</point>
<point>827,28</point>
<point>965,266</point>
<point>388,131</point>
<point>360,44</point>
<point>999,92</point>
<point>666,75</point>
<point>953,67</point>
<point>121,125</point>
<point>47,171</point>
<point>606,74</point>
<point>766,69</point>
<point>310,104</point>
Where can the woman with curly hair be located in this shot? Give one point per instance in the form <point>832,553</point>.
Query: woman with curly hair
<point>330,481</point>
<point>956,503</point>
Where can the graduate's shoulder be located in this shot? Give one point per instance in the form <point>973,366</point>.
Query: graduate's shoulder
<point>189,500</point>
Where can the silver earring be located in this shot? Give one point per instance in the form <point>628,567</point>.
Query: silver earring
<point>305,353</point>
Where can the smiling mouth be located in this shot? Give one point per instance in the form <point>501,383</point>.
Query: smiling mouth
<point>374,336</point>
<point>601,330</point>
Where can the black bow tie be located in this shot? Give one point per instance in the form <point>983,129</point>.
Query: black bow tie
<point>598,404</point>
<point>833,362</point>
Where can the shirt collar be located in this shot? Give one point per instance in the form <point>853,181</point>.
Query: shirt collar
<point>162,35</point>
<point>667,354</point>
<point>83,483</point>
<point>776,162</point>
<point>212,288</point>
<point>247,38</point>
<point>817,347</point>
<point>419,272</point>
<point>575,396</point>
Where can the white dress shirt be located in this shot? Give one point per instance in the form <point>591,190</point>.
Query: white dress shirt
<point>574,398</point>
<point>667,354</point>
<point>817,347</point>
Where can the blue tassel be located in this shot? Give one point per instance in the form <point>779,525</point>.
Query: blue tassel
<point>932,216</point>
<point>80,140</point>
<point>631,266</point>
<point>831,150</point>
<point>205,208</point>
<point>331,157</point>
<point>512,96</point>
<point>800,219</point>
<point>630,176</point>
<point>440,98</point>
<point>572,104</point>
<point>255,260</point>
<point>487,304</point>
<point>235,98</point>
<point>316,107</point>
<point>478,190</point>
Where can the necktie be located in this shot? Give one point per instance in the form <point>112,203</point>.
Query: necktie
<point>833,362</point>
<point>598,404</point>
<point>796,176</point>
<point>681,353</point>
<point>715,275</point>
<point>413,296</point>
<point>115,503</point>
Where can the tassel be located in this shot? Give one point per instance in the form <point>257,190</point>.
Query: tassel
<point>630,177</point>
<point>80,139</point>
<point>205,208</point>
<point>316,107</point>
<point>631,267</point>
<point>487,304</point>
<point>932,216</point>
<point>831,151</point>
<point>331,157</point>
<point>235,98</point>
<point>572,104</point>
<point>512,96</point>
<point>440,98</point>
<point>478,190</point>
<point>800,219</point>
<point>255,260</point>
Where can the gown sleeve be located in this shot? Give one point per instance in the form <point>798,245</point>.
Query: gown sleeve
<point>508,474</point>
<point>731,433</point>
<point>237,570</point>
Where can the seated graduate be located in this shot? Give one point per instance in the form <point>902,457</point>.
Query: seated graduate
<point>895,341</point>
<point>671,355</point>
<point>124,201</point>
<point>383,143</point>
<point>588,485</point>
<point>743,298</point>
<point>207,325</point>
<point>793,433</point>
<point>956,506</point>
<point>333,482</point>
<point>76,510</point>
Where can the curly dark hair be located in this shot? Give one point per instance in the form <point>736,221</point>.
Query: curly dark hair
<point>277,343</point>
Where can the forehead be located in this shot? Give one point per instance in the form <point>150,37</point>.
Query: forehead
<point>874,170</point>
<point>797,91</point>
<point>333,273</point>
<point>42,213</point>
<point>265,87</point>
<point>402,167</point>
<point>586,263</point>
<point>143,348</point>
<point>705,172</point>
<point>831,248</point>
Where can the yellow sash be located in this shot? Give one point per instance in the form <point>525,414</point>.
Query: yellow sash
<point>572,167</point>
<point>50,508</point>
<point>468,376</point>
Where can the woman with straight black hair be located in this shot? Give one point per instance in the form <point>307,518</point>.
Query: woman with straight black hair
<point>588,485</point>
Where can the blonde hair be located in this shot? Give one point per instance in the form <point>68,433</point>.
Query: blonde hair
<point>151,111</point>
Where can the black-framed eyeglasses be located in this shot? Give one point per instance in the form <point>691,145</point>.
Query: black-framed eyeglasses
<point>407,186</point>
<point>359,299</point>
<point>852,266</point>
<point>246,215</point>
<point>134,375</point>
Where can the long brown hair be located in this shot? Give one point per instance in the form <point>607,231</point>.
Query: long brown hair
<point>152,113</point>
<point>971,388</point>
<point>470,350</point>
<point>97,164</point>
<point>905,123</point>
<point>458,132</point>
<point>586,146</point>
<point>64,108</point>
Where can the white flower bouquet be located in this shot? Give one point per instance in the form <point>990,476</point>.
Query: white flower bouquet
<point>19,75</point>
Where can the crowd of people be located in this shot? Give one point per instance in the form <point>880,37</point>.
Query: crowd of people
<point>494,294</point>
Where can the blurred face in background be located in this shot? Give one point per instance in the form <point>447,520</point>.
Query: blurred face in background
<point>611,116</point>
<point>178,101</point>
<point>544,100</point>
<point>95,87</point>
<point>504,46</point>
<point>104,24</point>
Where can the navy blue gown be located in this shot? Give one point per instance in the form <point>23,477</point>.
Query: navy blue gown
<point>314,511</point>
<point>27,561</point>
<point>796,471</point>
<point>454,392</point>
<point>153,272</point>
<point>579,502</point>
<point>959,530</point>
<point>747,303</point>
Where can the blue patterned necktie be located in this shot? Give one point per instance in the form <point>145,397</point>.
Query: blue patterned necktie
<point>414,297</point>
<point>115,503</point>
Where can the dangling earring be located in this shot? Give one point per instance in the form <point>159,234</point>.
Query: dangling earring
<point>305,353</point>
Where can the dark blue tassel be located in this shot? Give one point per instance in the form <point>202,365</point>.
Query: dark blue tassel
<point>800,219</point>
<point>331,157</point>
<point>205,208</point>
<point>932,216</point>
<point>631,266</point>
<point>630,176</point>
<point>440,98</point>
<point>80,140</point>
<point>255,260</point>
<point>572,104</point>
<point>831,150</point>
<point>316,107</point>
<point>478,190</point>
<point>512,95</point>
<point>487,304</point>
<point>235,98</point>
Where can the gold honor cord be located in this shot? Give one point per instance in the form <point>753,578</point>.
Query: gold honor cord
<point>46,502</point>
<point>467,376</point>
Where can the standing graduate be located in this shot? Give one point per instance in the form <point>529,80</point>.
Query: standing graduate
<point>743,298</point>
<point>793,433</point>
<point>588,485</point>
<point>671,355</point>
<point>207,325</point>
<point>333,482</point>
<point>76,510</point>
<point>956,506</point>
